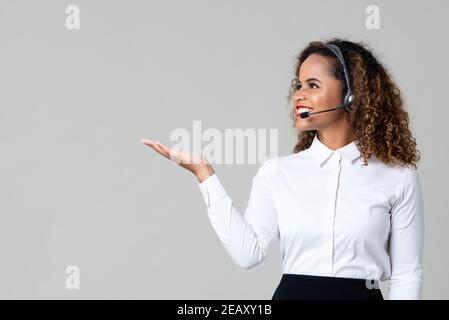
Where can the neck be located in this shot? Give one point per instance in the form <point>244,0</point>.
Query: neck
<point>333,141</point>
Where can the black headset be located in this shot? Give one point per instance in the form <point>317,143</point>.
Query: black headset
<point>349,96</point>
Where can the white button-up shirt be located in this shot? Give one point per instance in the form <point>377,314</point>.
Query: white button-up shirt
<point>332,215</point>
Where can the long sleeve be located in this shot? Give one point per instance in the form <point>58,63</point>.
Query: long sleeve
<point>247,238</point>
<point>407,240</point>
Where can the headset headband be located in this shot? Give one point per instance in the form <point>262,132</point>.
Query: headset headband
<point>349,97</point>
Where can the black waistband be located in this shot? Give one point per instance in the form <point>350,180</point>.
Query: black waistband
<point>301,286</point>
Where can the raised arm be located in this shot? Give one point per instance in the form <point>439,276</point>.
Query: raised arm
<point>247,238</point>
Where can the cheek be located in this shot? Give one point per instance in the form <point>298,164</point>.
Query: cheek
<point>323,98</point>
<point>319,97</point>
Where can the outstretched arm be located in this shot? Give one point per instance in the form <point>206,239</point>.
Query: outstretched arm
<point>247,238</point>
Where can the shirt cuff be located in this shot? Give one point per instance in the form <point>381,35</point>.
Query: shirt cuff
<point>406,292</point>
<point>212,190</point>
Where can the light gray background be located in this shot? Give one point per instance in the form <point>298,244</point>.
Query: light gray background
<point>78,187</point>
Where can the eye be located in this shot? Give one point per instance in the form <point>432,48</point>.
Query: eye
<point>296,85</point>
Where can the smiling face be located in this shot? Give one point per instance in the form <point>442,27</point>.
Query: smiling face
<point>319,90</point>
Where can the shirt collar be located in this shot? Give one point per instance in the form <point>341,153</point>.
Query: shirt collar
<point>321,152</point>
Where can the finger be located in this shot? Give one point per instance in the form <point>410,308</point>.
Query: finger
<point>173,154</point>
<point>176,155</point>
<point>165,149</point>
<point>148,142</point>
<point>154,146</point>
<point>159,149</point>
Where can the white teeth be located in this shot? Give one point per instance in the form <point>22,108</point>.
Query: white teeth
<point>300,110</point>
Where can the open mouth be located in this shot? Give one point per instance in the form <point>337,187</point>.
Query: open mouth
<point>302,109</point>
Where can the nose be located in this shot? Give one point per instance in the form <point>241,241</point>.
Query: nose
<point>298,92</point>
<point>299,96</point>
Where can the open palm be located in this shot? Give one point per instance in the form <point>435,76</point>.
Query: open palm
<point>195,163</point>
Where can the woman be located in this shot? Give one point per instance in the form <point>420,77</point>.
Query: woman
<point>343,222</point>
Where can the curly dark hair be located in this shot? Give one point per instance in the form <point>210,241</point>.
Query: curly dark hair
<point>377,114</point>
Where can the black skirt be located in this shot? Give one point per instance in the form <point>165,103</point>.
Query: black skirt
<point>306,287</point>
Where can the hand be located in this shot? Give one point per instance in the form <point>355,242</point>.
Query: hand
<point>195,163</point>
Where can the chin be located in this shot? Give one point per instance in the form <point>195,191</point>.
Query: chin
<point>303,125</point>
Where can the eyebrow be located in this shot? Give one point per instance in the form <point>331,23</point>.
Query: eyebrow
<point>312,79</point>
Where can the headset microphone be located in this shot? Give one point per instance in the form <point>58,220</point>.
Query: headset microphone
<point>306,114</point>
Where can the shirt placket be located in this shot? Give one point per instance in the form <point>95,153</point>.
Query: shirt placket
<point>329,225</point>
